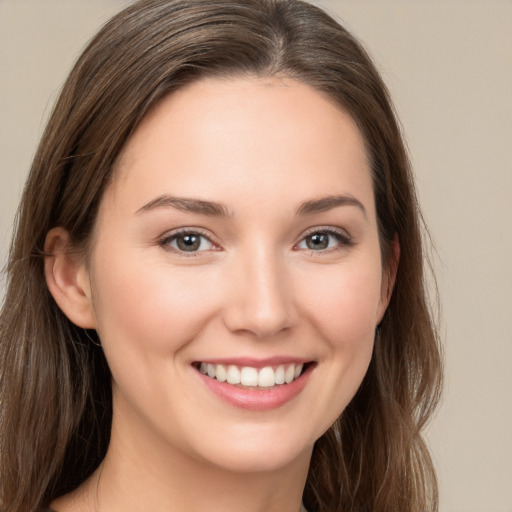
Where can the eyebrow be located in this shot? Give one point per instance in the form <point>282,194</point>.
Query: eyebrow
<point>214,209</point>
<point>324,204</point>
<point>209,208</point>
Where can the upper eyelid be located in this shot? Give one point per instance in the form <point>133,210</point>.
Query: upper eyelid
<point>344,239</point>
<point>325,229</point>
<point>212,239</point>
<point>186,230</point>
<point>169,235</point>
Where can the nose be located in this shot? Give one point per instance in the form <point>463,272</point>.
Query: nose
<point>260,298</point>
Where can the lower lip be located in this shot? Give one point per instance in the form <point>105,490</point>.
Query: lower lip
<point>263,399</point>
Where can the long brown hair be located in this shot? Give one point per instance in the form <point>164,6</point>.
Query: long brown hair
<point>55,385</point>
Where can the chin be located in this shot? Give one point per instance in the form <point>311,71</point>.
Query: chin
<point>266,448</point>
<point>261,460</point>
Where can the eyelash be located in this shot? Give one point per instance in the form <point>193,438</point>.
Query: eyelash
<point>344,240</point>
<point>168,239</point>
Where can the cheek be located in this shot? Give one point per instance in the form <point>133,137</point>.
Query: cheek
<point>343,308</point>
<point>145,304</point>
<point>344,303</point>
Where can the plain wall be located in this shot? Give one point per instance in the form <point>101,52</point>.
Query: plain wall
<point>449,67</point>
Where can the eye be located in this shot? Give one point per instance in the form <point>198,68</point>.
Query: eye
<point>325,239</point>
<point>187,242</point>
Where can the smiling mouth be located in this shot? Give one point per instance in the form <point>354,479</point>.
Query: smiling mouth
<point>253,378</point>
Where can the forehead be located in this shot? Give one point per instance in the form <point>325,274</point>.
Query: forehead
<point>219,136</point>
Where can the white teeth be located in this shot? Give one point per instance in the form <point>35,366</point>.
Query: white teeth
<point>233,375</point>
<point>289,374</point>
<point>221,373</point>
<point>266,377</point>
<point>279,375</point>
<point>248,376</point>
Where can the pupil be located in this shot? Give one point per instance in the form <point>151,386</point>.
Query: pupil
<point>318,241</point>
<point>189,242</point>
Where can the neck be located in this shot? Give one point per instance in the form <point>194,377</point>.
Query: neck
<point>143,473</point>
<point>194,488</point>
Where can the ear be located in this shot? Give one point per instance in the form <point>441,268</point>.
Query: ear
<point>67,279</point>
<point>389,278</point>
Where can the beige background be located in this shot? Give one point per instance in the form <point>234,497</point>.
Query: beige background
<point>449,66</point>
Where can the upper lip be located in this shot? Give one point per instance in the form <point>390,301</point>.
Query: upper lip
<point>255,362</point>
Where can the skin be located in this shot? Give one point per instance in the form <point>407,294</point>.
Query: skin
<point>255,288</point>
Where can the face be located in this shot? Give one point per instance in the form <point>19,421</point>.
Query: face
<point>235,273</point>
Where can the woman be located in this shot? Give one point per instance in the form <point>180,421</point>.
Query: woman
<point>215,290</point>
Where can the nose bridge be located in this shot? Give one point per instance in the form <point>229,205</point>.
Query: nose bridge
<point>261,301</point>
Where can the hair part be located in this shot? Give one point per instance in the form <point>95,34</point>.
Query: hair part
<point>55,385</point>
